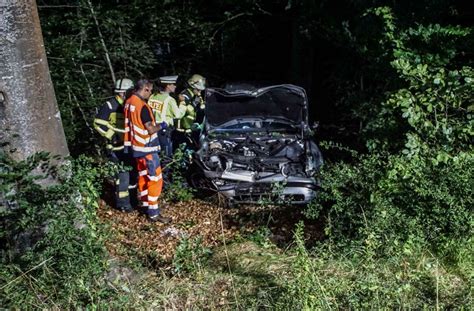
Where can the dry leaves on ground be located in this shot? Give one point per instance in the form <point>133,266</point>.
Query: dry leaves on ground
<point>133,233</point>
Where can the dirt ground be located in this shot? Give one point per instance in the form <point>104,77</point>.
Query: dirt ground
<point>132,232</point>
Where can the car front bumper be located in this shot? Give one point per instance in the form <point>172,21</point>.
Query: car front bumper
<point>247,187</point>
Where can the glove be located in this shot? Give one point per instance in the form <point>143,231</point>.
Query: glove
<point>196,127</point>
<point>197,101</point>
<point>163,125</point>
<point>116,139</point>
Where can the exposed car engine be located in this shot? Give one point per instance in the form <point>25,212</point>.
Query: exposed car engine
<point>260,155</point>
<point>245,157</point>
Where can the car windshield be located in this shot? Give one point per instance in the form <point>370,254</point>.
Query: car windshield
<point>256,125</point>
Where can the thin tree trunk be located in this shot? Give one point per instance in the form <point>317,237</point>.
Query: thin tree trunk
<point>102,41</point>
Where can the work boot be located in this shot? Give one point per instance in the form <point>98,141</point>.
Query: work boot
<point>126,209</point>
<point>159,218</point>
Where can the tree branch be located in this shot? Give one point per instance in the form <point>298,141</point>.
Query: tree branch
<point>222,24</point>
<point>25,273</point>
<point>107,56</point>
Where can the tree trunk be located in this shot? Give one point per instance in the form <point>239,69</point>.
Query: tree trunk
<point>29,114</point>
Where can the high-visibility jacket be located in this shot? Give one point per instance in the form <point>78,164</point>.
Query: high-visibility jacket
<point>109,122</point>
<point>136,136</point>
<point>194,104</point>
<point>165,108</point>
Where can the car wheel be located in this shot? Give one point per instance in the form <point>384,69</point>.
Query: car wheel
<point>198,181</point>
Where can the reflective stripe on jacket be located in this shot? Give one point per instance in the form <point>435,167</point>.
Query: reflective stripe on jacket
<point>186,98</point>
<point>109,122</point>
<point>136,135</point>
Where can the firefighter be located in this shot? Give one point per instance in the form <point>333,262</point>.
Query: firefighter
<point>194,101</point>
<point>141,141</point>
<point>109,122</point>
<point>165,109</point>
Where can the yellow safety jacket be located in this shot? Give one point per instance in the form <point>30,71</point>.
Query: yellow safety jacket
<point>193,103</point>
<point>165,108</point>
<point>109,122</point>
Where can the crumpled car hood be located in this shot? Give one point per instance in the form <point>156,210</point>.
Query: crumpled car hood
<point>281,101</point>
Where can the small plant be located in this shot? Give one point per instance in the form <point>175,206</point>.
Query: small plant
<point>177,189</point>
<point>191,256</point>
<point>274,196</point>
<point>304,290</point>
<point>261,237</point>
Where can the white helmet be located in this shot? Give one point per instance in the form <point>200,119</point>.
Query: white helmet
<point>198,82</point>
<point>122,85</point>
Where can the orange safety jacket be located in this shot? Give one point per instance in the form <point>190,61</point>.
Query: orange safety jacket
<point>136,135</point>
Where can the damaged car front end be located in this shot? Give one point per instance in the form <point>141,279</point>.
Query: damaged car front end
<point>256,145</point>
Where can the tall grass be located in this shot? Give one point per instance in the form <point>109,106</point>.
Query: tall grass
<point>355,279</point>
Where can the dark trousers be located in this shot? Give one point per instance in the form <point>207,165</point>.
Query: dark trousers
<point>166,153</point>
<point>125,181</point>
<point>166,146</point>
<point>180,138</point>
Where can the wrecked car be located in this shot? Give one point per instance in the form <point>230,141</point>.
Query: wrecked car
<point>256,144</point>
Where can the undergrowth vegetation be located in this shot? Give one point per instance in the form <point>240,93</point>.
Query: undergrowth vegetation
<point>399,218</point>
<point>191,256</point>
<point>52,251</point>
<point>177,188</point>
<point>354,278</point>
<point>421,192</point>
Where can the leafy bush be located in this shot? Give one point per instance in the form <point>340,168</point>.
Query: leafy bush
<point>423,189</point>
<point>385,200</point>
<point>261,237</point>
<point>52,251</point>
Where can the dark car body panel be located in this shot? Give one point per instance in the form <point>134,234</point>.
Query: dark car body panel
<point>282,101</point>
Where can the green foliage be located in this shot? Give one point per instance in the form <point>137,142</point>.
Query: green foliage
<point>177,188</point>
<point>385,200</point>
<point>413,192</point>
<point>304,291</point>
<point>52,251</point>
<point>190,256</point>
<point>433,102</point>
<point>421,190</point>
<point>432,43</point>
<point>261,237</point>
<point>353,279</point>
<point>275,195</point>
<point>399,216</point>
